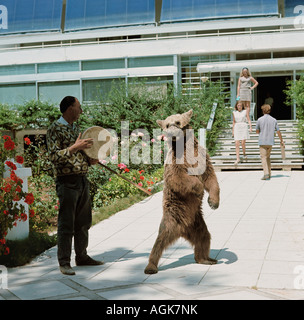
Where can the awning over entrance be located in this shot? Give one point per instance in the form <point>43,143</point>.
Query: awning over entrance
<point>260,65</point>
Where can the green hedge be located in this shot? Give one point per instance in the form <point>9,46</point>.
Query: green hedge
<point>142,106</point>
<point>295,93</point>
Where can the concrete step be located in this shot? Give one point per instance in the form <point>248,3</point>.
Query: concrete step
<point>253,135</point>
<point>225,156</point>
<point>258,166</point>
<point>255,140</point>
<point>252,158</point>
<point>256,153</point>
<point>255,148</point>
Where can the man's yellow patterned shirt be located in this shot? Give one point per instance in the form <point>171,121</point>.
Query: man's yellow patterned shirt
<point>59,138</point>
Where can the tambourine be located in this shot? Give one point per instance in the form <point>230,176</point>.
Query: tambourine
<point>102,142</point>
<point>101,149</point>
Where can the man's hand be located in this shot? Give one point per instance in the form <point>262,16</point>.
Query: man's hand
<point>81,144</point>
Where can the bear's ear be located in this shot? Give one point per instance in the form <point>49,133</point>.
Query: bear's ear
<point>160,123</point>
<point>187,116</point>
<point>189,113</point>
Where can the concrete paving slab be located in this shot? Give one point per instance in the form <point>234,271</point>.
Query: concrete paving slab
<point>40,290</point>
<point>133,293</point>
<point>257,237</point>
<point>238,295</point>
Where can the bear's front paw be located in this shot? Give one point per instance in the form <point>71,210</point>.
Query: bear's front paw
<point>151,269</point>
<point>213,204</point>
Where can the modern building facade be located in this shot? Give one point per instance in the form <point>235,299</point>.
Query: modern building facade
<point>53,48</point>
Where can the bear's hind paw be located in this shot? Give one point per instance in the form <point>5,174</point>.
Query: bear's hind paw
<point>151,269</point>
<point>208,261</point>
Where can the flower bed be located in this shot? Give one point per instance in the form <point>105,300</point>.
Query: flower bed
<point>11,210</point>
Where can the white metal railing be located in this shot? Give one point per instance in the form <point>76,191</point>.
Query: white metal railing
<point>203,131</point>
<point>156,36</point>
<point>212,115</point>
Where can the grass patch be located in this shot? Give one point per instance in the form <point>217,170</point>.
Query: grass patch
<point>23,251</point>
<point>121,204</point>
<point>118,205</point>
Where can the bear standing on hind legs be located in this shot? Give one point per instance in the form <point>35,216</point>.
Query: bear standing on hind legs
<point>188,172</point>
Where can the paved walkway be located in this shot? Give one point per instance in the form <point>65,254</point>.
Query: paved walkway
<point>257,236</point>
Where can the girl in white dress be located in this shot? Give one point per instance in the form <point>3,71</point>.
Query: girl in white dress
<point>240,129</point>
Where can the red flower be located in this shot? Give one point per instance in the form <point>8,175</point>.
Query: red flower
<point>127,170</point>
<point>27,141</point>
<point>32,213</point>
<point>121,166</point>
<point>9,144</point>
<point>14,177</point>
<point>23,217</point>
<point>7,251</point>
<point>19,159</point>
<point>16,197</point>
<point>11,165</point>
<point>18,189</point>
<point>7,188</point>
<point>29,199</point>
<point>142,178</point>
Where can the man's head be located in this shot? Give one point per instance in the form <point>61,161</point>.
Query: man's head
<point>266,108</point>
<point>70,108</point>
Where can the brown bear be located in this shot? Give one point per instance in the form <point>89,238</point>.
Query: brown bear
<point>188,172</point>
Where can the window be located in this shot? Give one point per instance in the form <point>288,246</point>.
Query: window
<point>159,86</point>
<point>191,78</point>
<point>17,69</point>
<point>103,64</point>
<point>157,61</point>
<point>54,92</point>
<point>99,89</point>
<point>17,93</point>
<point>58,67</point>
<point>88,14</point>
<point>32,15</point>
<point>178,10</point>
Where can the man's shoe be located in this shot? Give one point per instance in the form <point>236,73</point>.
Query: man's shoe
<point>67,270</point>
<point>88,261</point>
<point>266,177</point>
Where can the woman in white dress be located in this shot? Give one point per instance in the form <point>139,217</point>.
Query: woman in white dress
<point>240,129</point>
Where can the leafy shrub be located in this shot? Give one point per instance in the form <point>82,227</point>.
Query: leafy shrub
<point>141,107</point>
<point>118,188</point>
<point>295,93</point>
<point>33,114</point>
<point>36,114</point>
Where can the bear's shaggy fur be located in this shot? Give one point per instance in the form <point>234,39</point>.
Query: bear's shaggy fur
<point>184,185</point>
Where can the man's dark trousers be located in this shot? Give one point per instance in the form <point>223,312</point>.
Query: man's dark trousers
<point>75,217</point>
